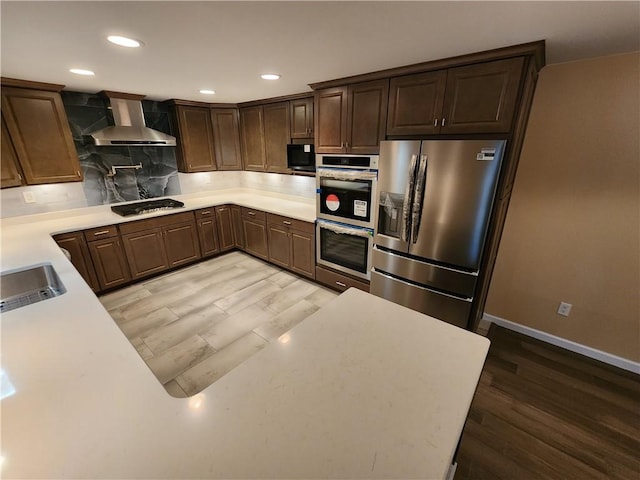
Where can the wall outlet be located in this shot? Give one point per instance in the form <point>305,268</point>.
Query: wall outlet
<point>564,309</point>
<point>29,197</point>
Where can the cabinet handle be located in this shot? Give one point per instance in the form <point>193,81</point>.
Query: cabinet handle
<point>443,122</point>
<point>78,173</point>
<point>435,122</point>
<point>205,213</point>
<point>251,213</point>
<point>101,232</point>
<point>347,145</point>
<point>340,284</point>
<point>286,223</point>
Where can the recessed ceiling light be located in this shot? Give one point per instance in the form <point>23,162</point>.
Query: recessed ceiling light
<point>81,71</point>
<point>270,76</point>
<point>124,41</point>
<point>208,92</point>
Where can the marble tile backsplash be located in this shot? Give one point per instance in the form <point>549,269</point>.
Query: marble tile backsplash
<point>158,175</point>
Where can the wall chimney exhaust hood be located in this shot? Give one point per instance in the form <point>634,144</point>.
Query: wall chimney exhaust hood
<point>130,128</point>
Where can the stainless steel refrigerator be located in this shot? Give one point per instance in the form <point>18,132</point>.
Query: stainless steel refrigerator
<point>434,205</point>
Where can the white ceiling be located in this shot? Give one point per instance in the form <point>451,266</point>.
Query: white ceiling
<point>225,46</point>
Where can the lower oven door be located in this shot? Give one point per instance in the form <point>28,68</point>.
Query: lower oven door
<point>344,248</point>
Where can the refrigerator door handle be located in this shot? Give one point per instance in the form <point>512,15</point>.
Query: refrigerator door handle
<point>418,201</point>
<point>408,197</point>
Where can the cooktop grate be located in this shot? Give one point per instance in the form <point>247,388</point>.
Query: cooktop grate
<point>148,206</point>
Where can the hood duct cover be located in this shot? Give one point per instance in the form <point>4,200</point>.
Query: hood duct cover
<point>130,128</point>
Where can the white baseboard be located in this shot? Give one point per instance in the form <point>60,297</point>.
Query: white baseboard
<point>590,352</point>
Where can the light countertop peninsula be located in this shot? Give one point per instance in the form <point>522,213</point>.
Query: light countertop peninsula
<point>362,388</point>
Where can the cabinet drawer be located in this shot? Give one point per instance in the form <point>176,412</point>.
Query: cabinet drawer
<point>205,212</point>
<point>101,232</point>
<point>338,281</point>
<point>141,225</point>
<point>291,223</point>
<point>254,214</point>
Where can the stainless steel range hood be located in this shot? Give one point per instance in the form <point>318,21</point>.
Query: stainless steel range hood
<point>129,129</point>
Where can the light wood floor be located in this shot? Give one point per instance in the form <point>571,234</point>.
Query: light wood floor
<point>541,412</point>
<point>194,325</point>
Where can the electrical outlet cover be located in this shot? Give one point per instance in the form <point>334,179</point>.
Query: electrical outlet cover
<point>564,309</point>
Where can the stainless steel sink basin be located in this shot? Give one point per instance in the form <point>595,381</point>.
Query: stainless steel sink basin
<point>36,283</point>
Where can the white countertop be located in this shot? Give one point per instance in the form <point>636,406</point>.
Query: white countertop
<point>362,389</point>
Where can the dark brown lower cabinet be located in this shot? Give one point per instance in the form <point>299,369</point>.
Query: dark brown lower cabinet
<point>156,244</point>
<point>225,227</point>
<point>238,229</point>
<point>76,245</point>
<point>208,235</point>
<point>292,244</point>
<point>110,262</point>
<point>181,243</point>
<point>255,233</point>
<point>339,281</point>
<point>145,252</point>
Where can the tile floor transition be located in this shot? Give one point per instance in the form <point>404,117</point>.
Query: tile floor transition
<point>196,324</point>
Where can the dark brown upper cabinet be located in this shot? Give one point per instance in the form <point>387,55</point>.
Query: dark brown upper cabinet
<point>11,175</point>
<point>277,134</point>
<point>40,135</point>
<point>226,138</point>
<point>477,98</point>
<point>265,133</point>
<point>482,98</point>
<point>415,103</point>
<point>302,118</point>
<point>252,138</point>
<point>208,138</point>
<point>351,119</point>
<point>195,150</point>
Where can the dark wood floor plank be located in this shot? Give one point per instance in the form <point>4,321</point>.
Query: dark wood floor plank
<point>543,412</point>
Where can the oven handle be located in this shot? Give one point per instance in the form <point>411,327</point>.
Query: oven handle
<point>358,232</point>
<point>408,195</point>
<point>340,174</point>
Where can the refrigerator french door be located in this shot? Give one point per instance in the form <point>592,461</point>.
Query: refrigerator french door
<point>434,205</point>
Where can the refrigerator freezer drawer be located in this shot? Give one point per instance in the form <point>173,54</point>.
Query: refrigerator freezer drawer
<point>442,278</point>
<point>441,306</point>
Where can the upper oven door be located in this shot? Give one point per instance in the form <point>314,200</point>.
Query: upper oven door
<point>346,196</point>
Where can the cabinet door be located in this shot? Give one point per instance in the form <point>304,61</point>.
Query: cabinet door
<point>415,103</point>
<point>76,245</point>
<point>255,237</point>
<point>367,118</point>
<point>303,258</point>
<point>238,229</point>
<point>279,246</point>
<point>225,228</point>
<point>181,243</point>
<point>276,136</point>
<point>195,151</point>
<point>252,138</point>
<point>11,176</point>
<point>482,98</point>
<point>145,252</point>
<point>226,138</point>
<point>110,262</point>
<point>330,111</point>
<point>208,235</point>
<point>302,118</point>
<point>41,136</point>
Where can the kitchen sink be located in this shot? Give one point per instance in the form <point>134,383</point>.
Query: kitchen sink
<point>19,288</point>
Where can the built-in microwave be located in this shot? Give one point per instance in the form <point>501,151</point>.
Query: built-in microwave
<point>301,157</point>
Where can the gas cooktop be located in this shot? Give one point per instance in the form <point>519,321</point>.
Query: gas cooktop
<point>146,207</point>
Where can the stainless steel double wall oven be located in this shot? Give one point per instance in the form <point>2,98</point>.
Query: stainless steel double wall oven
<point>346,195</point>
